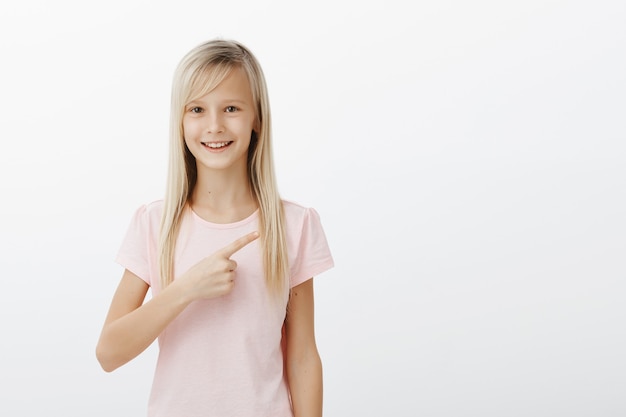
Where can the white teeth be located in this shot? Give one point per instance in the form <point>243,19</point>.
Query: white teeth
<point>216,145</point>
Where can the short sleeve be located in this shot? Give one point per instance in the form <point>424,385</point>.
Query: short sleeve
<point>313,255</point>
<point>134,251</point>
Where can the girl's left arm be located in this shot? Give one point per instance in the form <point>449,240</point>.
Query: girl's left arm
<point>304,366</point>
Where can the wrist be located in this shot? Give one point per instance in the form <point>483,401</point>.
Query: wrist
<point>180,292</point>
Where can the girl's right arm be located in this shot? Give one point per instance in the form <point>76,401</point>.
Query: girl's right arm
<point>131,326</point>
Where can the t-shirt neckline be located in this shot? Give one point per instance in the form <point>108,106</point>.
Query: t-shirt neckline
<point>212,225</point>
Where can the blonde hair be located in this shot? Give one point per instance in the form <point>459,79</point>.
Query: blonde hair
<point>201,70</point>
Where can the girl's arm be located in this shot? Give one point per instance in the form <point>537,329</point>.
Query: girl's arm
<point>131,327</point>
<point>304,366</point>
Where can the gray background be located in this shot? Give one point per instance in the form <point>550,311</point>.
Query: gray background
<point>466,158</point>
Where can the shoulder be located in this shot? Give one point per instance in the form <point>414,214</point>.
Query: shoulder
<point>149,214</point>
<point>297,213</point>
<point>309,253</point>
<point>299,217</point>
<point>154,208</point>
<point>292,208</point>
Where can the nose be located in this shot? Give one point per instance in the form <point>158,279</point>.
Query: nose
<point>214,122</point>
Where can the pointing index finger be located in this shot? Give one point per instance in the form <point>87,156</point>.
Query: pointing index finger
<point>238,244</point>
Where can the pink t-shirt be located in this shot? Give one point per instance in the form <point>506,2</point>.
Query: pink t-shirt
<point>223,357</point>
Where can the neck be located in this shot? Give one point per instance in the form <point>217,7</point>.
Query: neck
<point>223,196</point>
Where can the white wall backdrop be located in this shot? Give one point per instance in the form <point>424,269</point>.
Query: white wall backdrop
<point>467,160</point>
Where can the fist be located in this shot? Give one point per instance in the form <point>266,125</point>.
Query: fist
<point>214,275</point>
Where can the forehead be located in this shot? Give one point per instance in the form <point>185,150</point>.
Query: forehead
<point>231,85</point>
<point>235,82</point>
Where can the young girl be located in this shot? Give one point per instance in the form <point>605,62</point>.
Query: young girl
<point>228,262</point>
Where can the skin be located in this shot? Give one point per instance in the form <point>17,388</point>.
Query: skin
<point>303,363</point>
<point>221,195</point>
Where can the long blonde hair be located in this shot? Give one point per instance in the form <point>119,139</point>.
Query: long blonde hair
<point>201,70</point>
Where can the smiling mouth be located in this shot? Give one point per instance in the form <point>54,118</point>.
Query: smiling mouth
<point>216,145</point>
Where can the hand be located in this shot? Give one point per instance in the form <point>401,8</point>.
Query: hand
<point>214,276</point>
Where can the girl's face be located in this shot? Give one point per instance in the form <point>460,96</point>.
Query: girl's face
<point>217,127</point>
